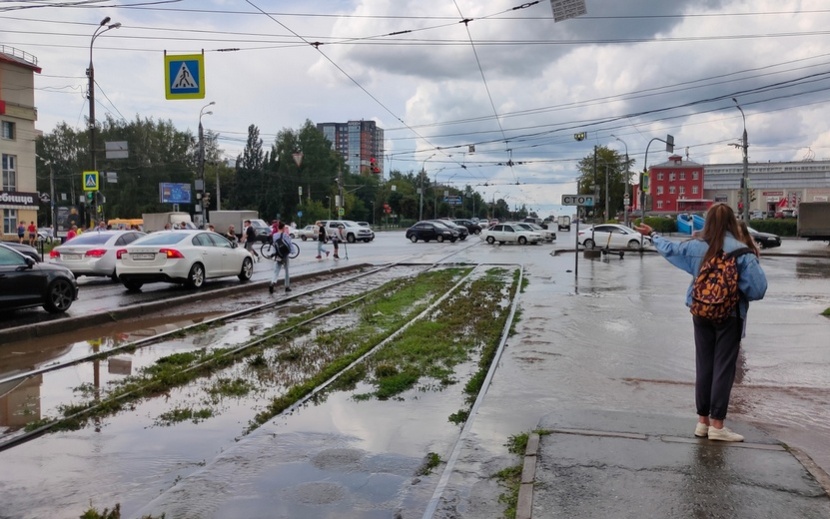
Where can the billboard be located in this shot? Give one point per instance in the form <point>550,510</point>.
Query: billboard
<point>171,193</point>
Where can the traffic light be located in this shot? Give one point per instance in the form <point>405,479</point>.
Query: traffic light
<point>89,196</point>
<point>644,183</point>
<point>206,200</point>
<point>373,166</point>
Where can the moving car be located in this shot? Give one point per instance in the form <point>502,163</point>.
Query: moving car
<point>352,231</point>
<point>460,229</point>
<point>93,252</point>
<point>184,256</point>
<point>25,283</point>
<point>611,235</point>
<point>309,232</point>
<point>427,231</point>
<point>472,227</point>
<point>509,233</point>
<point>765,240</point>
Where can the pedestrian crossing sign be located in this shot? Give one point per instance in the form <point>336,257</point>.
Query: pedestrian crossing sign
<point>90,180</point>
<point>184,76</point>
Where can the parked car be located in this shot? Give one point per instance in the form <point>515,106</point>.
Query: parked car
<point>26,250</point>
<point>509,233</point>
<point>364,224</point>
<point>427,231</point>
<point>309,232</point>
<point>352,231</point>
<point>547,235</point>
<point>765,240</point>
<point>460,229</point>
<point>93,252</point>
<point>472,227</point>
<point>25,283</point>
<point>611,235</point>
<point>184,256</point>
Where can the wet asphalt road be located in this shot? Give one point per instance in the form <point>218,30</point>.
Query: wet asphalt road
<point>619,339</point>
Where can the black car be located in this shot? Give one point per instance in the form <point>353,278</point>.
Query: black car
<point>427,231</point>
<point>765,240</point>
<point>26,250</point>
<point>472,227</point>
<point>460,229</point>
<point>25,283</point>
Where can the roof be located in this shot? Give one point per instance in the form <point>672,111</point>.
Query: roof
<point>18,57</point>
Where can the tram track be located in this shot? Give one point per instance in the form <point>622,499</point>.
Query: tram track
<point>9,383</point>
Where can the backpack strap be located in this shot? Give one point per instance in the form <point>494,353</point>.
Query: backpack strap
<point>737,253</point>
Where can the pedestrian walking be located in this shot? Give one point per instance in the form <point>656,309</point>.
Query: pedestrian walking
<point>32,230</point>
<point>231,234</point>
<point>73,231</point>
<point>281,259</point>
<point>322,238</point>
<point>21,232</point>
<point>717,342</point>
<point>249,239</point>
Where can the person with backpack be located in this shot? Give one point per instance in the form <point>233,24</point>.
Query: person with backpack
<point>282,246</point>
<point>726,276</point>
<point>322,237</point>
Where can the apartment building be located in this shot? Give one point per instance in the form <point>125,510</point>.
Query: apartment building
<point>359,142</point>
<point>19,199</point>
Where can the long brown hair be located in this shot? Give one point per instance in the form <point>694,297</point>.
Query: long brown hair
<point>746,237</point>
<point>720,219</point>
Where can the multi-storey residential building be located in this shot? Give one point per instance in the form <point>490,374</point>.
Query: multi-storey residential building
<point>19,200</point>
<point>359,142</point>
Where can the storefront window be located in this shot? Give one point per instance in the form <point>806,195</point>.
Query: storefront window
<point>9,172</point>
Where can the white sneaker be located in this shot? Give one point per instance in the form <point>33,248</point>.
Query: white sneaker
<point>701,430</point>
<point>724,435</point>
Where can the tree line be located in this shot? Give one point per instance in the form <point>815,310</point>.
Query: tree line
<point>266,180</point>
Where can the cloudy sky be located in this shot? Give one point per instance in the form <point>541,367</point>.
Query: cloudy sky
<point>510,81</point>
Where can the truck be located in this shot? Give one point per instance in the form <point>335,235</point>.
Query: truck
<point>157,221</point>
<point>814,220</point>
<point>221,220</point>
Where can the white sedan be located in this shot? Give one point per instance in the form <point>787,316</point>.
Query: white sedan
<point>309,232</point>
<point>509,233</point>
<point>547,234</point>
<point>612,236</point>
<point>93,252</point>
<point>184,256</point>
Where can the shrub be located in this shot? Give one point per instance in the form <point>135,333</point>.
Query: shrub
<point>779,226</point>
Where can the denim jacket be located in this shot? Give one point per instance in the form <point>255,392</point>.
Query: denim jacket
<point>688,255</point>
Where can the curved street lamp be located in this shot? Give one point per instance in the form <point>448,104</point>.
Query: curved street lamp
<point>101,29</point>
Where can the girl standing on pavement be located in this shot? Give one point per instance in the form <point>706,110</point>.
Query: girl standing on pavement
<point>282,233</point>
<point>716,344</point>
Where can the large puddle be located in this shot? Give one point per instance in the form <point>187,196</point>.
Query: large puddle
<point>188,452</point>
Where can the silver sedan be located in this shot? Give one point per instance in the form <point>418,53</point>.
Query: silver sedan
<point>93,252</point>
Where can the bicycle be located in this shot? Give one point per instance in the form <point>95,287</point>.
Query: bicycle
<point>268,251</point>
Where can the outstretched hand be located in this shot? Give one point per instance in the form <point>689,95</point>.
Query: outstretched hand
<point>643,229</point>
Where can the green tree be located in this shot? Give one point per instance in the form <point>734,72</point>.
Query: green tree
<point>593,170</point>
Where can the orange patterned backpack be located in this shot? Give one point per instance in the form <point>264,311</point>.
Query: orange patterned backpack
<point>715,290</point>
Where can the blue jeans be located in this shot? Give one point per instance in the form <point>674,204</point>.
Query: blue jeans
<point>320,249</point>
<point>276,277</point>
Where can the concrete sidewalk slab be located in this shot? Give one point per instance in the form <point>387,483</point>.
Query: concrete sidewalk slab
<point>618,464</point>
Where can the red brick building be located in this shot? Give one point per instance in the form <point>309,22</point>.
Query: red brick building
<point>675,186</point>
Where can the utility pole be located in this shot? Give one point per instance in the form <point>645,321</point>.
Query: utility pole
<point>745,177</point>
<point>203,203</point>
<point>627,178</point>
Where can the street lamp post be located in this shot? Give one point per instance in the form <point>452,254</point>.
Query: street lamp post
<point>423,172</point>
<point>627,199</point>
<point>745,177</point>
<point>202,159</point>
<point>103,27</point>
<point>669,148</point>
